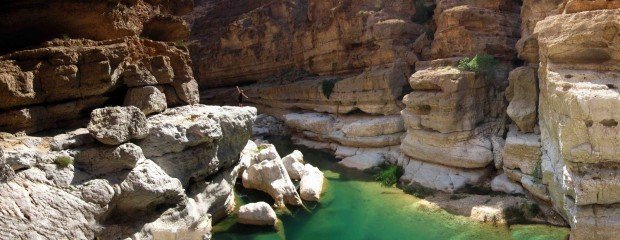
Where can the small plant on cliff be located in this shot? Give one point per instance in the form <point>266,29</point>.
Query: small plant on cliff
<point>63,161</point>
<point>389,175</point>
<point>327,86</point>
<point>483,65</point>
<point>65,37</point>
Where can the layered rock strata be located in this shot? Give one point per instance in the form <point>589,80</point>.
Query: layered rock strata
<point>362,141</point>
<point>72,186</point>
<point>579,79</point>
<point>453,115</point>
<point>237,42</point>
<point>57,67</point>
<point>567,156</point>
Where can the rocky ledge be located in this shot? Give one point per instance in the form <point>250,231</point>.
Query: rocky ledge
<point>162,177</point>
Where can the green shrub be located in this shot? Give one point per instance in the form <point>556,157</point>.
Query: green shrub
<point>327,86</point>
<point>389,175</point>
<point>65,37</point>
<point>419,191</point>
<point>483,65</point>
<point>63,161</point>
<point>423,11</point>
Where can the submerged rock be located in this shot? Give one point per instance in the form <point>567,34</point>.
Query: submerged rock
<point>311,184</point>
<point>259,213</point>
<point>116,125</point>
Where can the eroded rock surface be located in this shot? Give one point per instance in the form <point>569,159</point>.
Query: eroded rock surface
<point>578,114</point>
<point>259,213</point>
<point>57,67</point>
<point>116,125</point>
<point>269,175</point>
<point>72,186</point>
<point>311,184</point>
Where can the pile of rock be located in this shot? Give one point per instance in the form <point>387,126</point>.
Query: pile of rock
<point>264,170</point>
<point>143,177</point>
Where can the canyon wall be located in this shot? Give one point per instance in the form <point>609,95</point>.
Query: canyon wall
<point>65,58</point>
<point>573,48</point>
<point>385,81</point>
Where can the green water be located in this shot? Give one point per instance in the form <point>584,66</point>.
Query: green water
<point>355,207</point>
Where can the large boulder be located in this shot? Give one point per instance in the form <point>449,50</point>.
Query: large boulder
<point>196,141</point>
<point>101,160</point>
<point>145,187</point>
<point>116,125</point>
<point>259,213</point>
<point>270,176</point>
<point>311,184</point>
<point>149,99</point>
<point>294,164</point>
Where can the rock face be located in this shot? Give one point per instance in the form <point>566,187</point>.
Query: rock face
<point>452,115</point>
<point>116,125</point>
<point>72,186</point>
<point>259,213</point>
<point>362,141</point>
<point>578,115</point>
<point>55,68</point>
<point>523,96</point>
<point>324,38</point>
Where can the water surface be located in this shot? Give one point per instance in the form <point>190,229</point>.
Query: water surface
<point>355,207</point>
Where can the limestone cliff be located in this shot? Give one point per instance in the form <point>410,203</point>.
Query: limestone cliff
<point>573,46</point>
<point>385,81</point>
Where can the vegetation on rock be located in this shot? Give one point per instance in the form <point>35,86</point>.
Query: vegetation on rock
<point>389,175</point>
<point>63,161</point>
<point>483,65</point>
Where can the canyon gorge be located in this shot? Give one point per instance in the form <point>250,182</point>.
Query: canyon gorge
<point>140,119</point>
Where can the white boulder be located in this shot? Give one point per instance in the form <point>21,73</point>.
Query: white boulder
<point>311,184</point>
<point>259,213</point>
<point>294,164</point>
